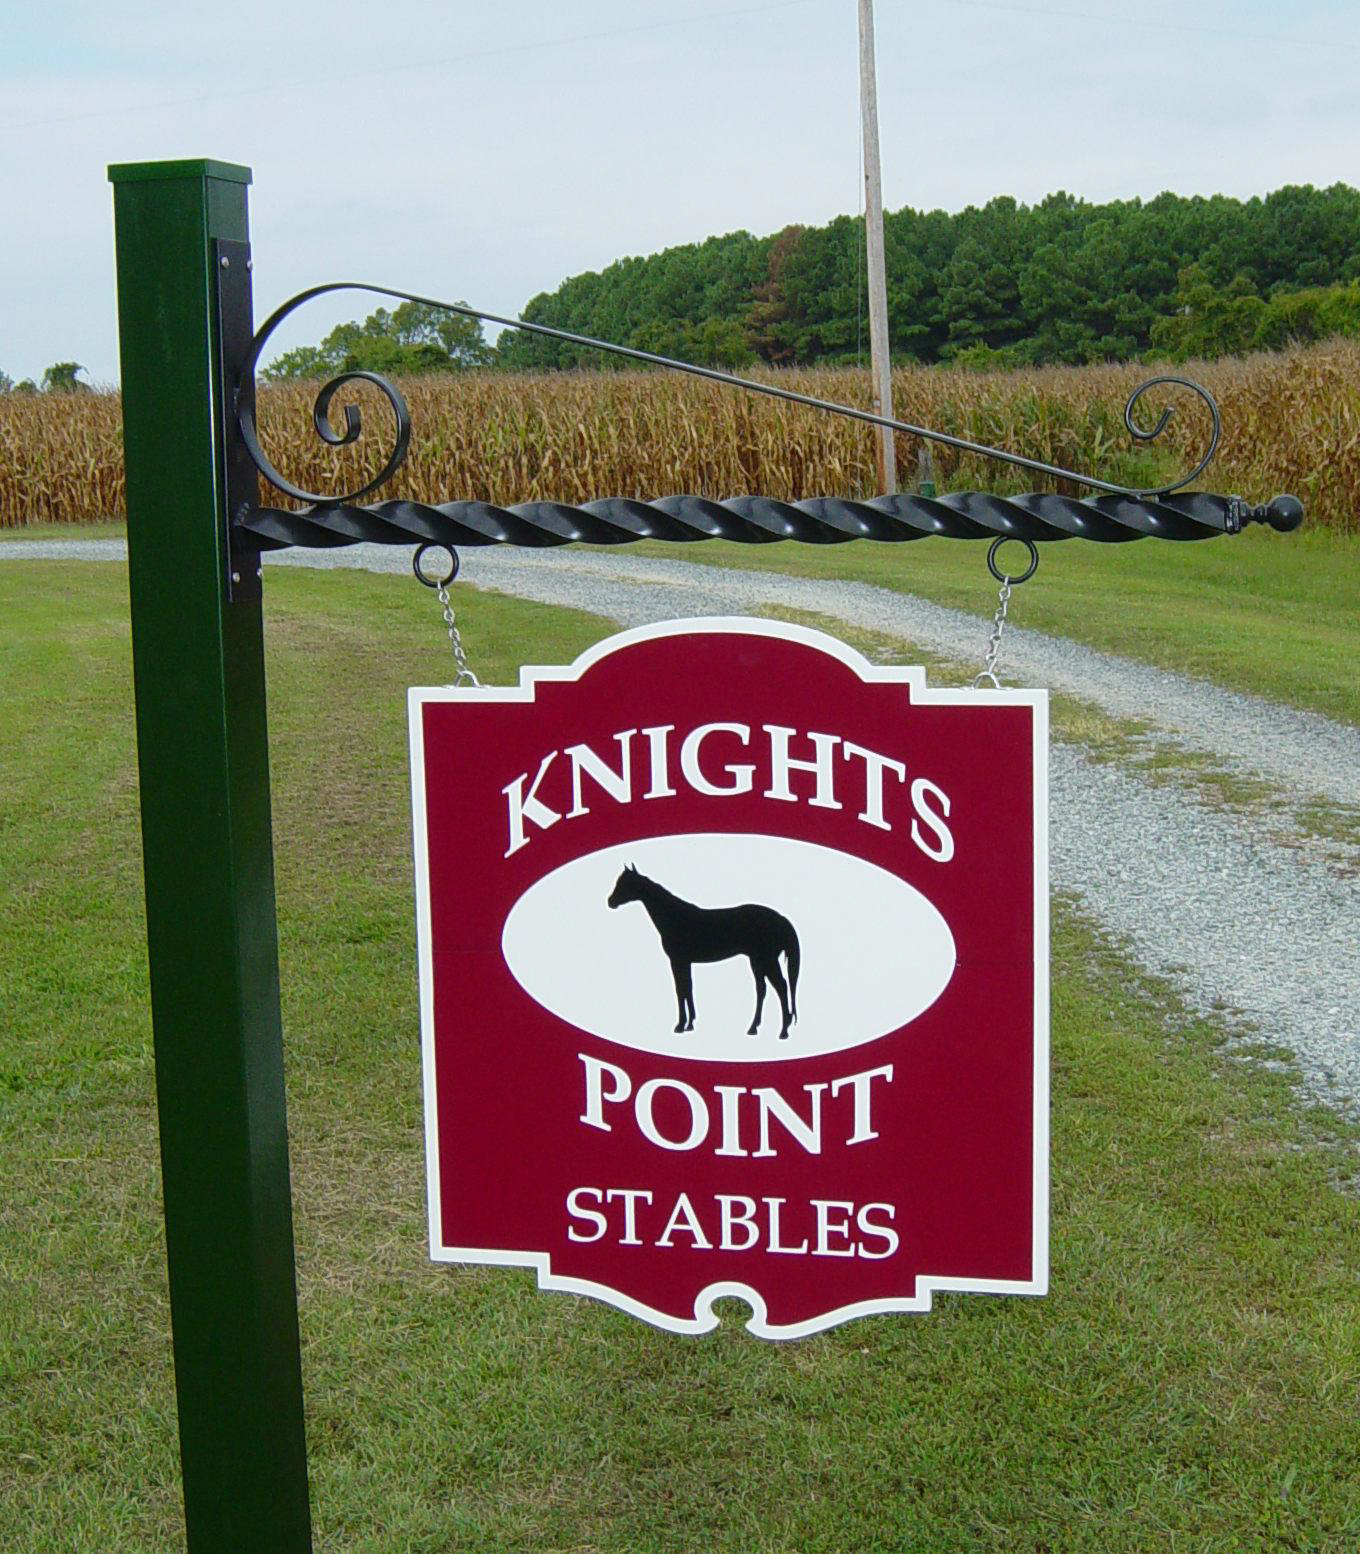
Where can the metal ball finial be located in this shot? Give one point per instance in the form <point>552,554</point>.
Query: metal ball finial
<point>1285,513</point>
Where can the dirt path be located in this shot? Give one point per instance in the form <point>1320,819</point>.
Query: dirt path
<point>1235,920</point>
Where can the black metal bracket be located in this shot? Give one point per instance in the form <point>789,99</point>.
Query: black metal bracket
<point>1114,513</point>
<point>757,520</point>
<point>241,559</point>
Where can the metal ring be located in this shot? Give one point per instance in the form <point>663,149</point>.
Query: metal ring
<point>433,582</point>
<point>1002,577</point>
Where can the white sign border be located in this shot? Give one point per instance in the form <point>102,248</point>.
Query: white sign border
<point>705,1319</point>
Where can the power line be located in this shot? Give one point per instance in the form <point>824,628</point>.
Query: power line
<point>329,82</point>
<point>1235,33</point>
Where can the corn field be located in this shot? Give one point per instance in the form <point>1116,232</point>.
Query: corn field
<point>1291,423</point>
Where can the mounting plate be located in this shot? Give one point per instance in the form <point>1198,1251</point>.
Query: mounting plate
<point>241,557</point>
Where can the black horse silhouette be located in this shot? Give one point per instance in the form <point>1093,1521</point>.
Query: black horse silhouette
<point>692,933</point>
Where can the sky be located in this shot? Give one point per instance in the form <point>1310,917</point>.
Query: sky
<point>487,151</point>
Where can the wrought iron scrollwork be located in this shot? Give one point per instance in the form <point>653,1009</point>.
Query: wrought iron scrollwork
<point>353,431</point>
<point>1141,434</point>
<point>354,424</point>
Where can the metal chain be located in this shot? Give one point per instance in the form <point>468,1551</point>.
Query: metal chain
<point>1006,579</point>
<point>994,642</point>
<point>465,674</point>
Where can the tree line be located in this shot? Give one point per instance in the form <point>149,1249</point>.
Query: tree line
<point>1002,285</point>
<point>59,378</point>
<point>1063,281</point>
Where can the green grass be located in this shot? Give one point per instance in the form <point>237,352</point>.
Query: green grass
<point>1277,615</point>
<point>100,529</point>
<point>1273,614</point>
<point>1191,1384</point>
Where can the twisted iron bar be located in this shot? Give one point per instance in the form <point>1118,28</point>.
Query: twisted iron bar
<point>755,520</point>
<point>245,405</point>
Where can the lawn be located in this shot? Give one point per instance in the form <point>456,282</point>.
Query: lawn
<point>103,529</point>
<point>1276,615</point>
<point>1191,1384</point>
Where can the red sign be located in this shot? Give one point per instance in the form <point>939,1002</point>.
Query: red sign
<point>734,978</point>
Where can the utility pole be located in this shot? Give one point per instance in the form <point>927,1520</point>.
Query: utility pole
<point>879,352</point>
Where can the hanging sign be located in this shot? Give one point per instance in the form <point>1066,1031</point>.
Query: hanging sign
<point>734,978</point>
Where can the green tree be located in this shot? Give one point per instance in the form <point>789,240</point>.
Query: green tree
<point>6,383</point>
<point>457,335</point>
<point>1060,281</point>
<point>981,287</point>
<point>410,340</point>
<point>813,285</point>
<point>306,361</point>
<point>721,342</point>
<point>1317,313</point>
<point>1207,321</point>
<point>689,301</point>
<point>63,378</point>
<point>768,329</point>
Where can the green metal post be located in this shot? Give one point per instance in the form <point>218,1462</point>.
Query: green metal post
<point>211,935</point>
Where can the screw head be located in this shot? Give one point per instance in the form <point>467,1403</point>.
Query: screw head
<point>236,577</point>
<point>226,263</point>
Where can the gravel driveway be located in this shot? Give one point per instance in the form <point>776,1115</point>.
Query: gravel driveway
<point>1234,919</point>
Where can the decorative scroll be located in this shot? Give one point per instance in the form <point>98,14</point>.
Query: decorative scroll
<point>354,425</point>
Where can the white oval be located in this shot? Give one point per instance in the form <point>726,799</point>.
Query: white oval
<point>874,952</point>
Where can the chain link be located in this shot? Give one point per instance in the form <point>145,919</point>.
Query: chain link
<point>994,642</point>
<point>464,676</point>
<point>1007,580</point>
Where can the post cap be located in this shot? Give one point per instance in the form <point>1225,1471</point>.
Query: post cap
<point>192,167</point>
